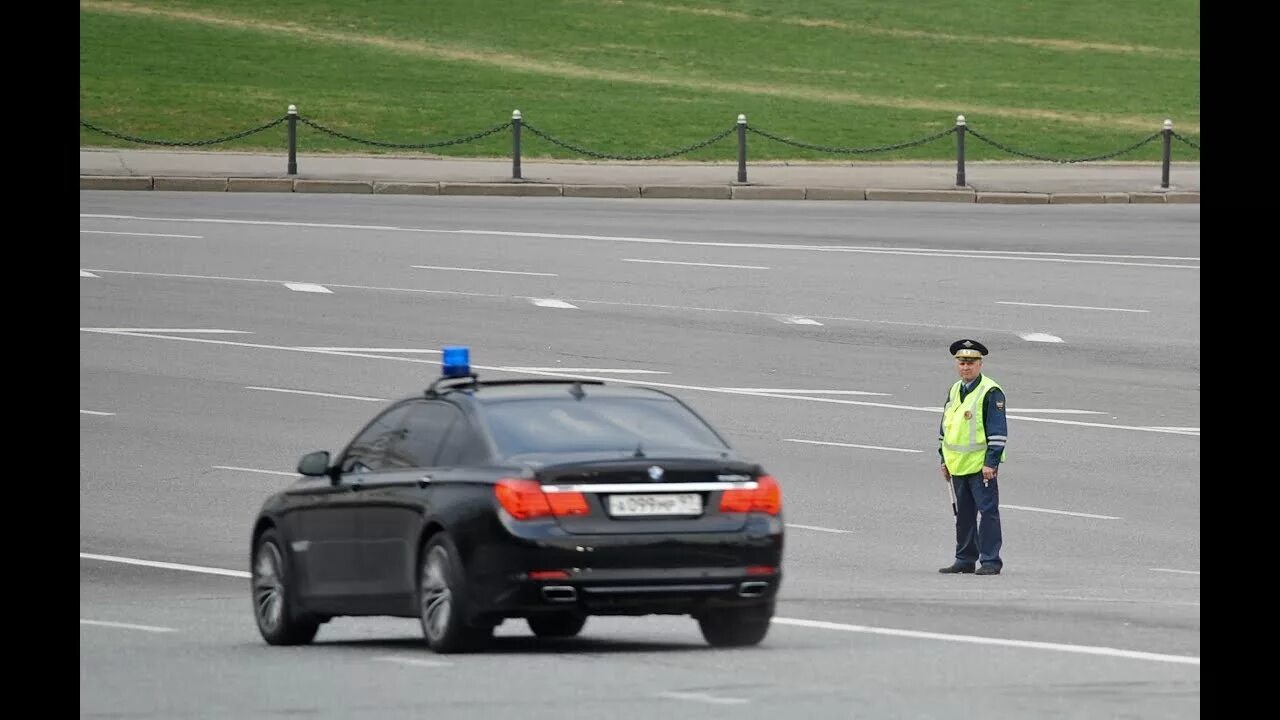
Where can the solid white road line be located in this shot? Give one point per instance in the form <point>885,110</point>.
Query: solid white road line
<point>1055,411</point>
<point>1182,572</point>
<point>813,392</point>
<point>552,303</point>
<point>1030,644</point>
<point>851,445</point>
<point>109,232</point>
<point>610,371</point>
<point>411,661</point>
<point>425,351</point>
<point>703,698</point>
<point>200,331</point>
<point>672,262</point>
<point>128,626</point>
<point>308,287</point>
<point>649,383</point>
<point>1060,512</point>
<point>1040,337</point>
<point>254,470</point>
<point>86,273</point>
<point>1069,307</point>
<point>479,270</point>
<point>820,529</point>
<point>95,412</point>
<point>819,624</point>
<point>795,320</point>
<point>166,565</point>
<point>318,394</point>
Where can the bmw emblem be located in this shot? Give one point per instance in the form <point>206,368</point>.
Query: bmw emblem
<point>655,473</point>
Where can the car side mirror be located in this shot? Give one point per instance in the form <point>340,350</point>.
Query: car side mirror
<point>314,464</point>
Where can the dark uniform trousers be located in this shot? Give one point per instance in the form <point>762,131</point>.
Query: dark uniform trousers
<point>977,540</point>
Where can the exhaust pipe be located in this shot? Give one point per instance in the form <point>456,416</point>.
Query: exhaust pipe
<point>752,589</point>
<point>559,593</point>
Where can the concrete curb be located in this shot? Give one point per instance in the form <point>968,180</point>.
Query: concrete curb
<point>747,192</point>
<point>259,185</point>
<point>332,186</point>
<point>503,189</point>
<point>1008,198</point>
<point>602,191</point>
<point>835,193</point>
<point>701,192</point>
<point>405,188</point>
<point>921,195</point>
<point>695,192</point>
<point>1146,197</point>
<point>115,182</point>
<point>205,184</point>
<point>1081,198</point>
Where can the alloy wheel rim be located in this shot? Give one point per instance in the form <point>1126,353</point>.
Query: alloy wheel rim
<point>437,596</point>
<point>268,586</point>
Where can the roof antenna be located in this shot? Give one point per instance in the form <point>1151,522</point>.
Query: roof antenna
<point>576,390</point>
<point>639,449</point>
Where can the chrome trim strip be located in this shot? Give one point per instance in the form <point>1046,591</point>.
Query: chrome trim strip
<point>650,487</point>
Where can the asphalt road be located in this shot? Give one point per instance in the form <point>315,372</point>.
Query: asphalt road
<point>815,338</point>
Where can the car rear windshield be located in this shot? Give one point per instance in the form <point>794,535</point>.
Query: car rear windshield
<point>556,425</point>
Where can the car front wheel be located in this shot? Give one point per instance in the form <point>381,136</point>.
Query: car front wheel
<point>273,598</point>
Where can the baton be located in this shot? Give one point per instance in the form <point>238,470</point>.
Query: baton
<point>951,490</point>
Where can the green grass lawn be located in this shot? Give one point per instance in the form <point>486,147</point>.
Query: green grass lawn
<point>624,77</point>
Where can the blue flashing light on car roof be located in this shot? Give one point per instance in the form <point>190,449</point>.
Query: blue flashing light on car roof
<point>457,361</point>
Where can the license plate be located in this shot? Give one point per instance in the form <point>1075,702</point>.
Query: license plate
<point>655,504</point>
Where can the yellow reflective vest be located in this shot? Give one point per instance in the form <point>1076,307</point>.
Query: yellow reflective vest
<point>964,432</point>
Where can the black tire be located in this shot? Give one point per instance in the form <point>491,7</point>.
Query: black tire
<point>443,600</point>
<point>273,610</point>
<point>736,627</point>
<point>556,625</point>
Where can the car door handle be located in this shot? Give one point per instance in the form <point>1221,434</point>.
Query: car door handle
<point>424,481</point>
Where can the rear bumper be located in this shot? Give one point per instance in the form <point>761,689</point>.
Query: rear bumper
<point>681,574</point>
<point>646,592</point>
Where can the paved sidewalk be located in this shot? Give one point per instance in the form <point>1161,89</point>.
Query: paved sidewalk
<point>985,181</point>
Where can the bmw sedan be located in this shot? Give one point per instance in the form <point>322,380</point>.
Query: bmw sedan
<point>543,499</point>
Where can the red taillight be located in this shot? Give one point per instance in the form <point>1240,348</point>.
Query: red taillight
<point>525,500</point>
<point>762,570</point>
<point>766,498</point>
<point>552,575</point>
<point>567,503</point>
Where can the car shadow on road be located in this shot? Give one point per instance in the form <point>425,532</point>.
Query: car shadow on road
<point>533,645</point>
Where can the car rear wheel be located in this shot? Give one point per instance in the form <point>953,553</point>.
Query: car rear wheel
<point>443,600</point>
<point>555,625</point>
<point>736,627</point>
<point>273,609</point>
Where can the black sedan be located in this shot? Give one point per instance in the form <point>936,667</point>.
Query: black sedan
<point>544,499</point>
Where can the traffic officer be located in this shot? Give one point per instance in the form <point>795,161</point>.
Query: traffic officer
<point>971,441</point>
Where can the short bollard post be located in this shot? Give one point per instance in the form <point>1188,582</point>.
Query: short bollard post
<point>742,148</point>
<point>293,139</point>
<point>516,122</point>
<point>960,130</point>
<point>1168,152</point>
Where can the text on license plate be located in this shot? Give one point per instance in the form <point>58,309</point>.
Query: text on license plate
<point>656,504</point>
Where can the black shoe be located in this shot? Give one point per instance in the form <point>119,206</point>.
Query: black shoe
<point>988,570</point>
<point>957,568</point>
